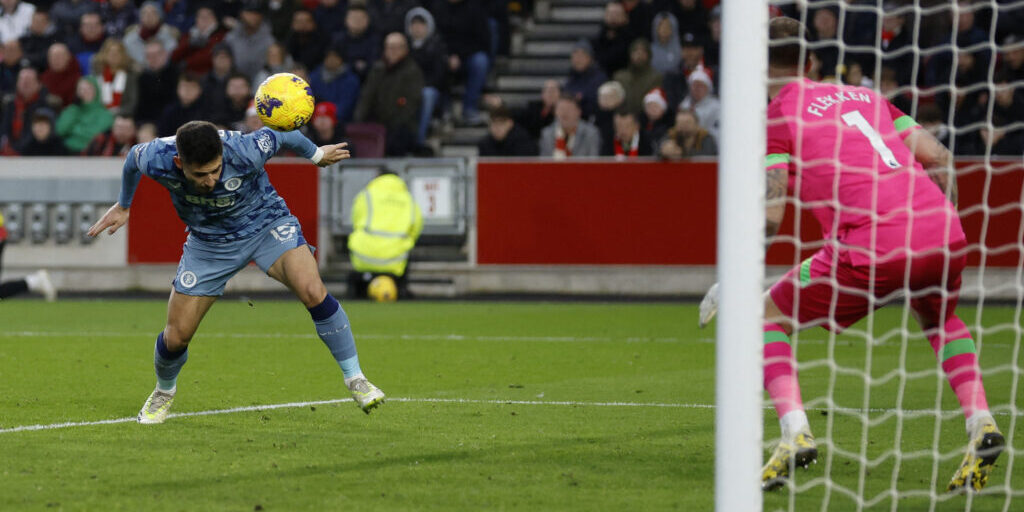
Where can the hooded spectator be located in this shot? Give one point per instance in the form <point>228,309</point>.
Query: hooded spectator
<point>62,73</point>
<point>506,138</point>
<point>195,47</point>
<point>584,77</point>
<point>689,13</point>
<point>430,54</point>
<point>151,26</point>
<point>639,77</point>
<point>666,51</point>
<point>335,83</point>
<point>84,119</point>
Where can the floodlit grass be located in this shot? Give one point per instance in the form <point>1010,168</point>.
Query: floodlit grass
<point>538,406</point>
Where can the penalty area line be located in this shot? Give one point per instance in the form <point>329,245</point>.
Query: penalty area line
<point>292,405</point>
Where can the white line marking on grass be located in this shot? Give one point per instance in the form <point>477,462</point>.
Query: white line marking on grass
<point>415,337</point>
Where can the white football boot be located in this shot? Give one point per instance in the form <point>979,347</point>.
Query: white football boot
<point>157,406</point>
<point>365,394</point>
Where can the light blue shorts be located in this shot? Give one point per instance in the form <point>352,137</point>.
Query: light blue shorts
<point>206,267</point>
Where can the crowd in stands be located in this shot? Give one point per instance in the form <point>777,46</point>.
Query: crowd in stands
<point>662,58</point>
<point>94,77</point>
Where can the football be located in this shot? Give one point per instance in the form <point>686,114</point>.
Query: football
<point>382,289</point>
<point>284,102</point>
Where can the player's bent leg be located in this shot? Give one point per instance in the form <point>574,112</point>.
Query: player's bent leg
<point>184,313</point>
<point>297,269</point>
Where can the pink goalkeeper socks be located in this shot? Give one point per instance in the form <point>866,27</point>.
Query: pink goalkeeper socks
<point>780,371</point>
<point>955,350</point>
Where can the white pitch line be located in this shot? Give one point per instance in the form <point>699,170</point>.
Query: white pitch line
<point>416,337</point>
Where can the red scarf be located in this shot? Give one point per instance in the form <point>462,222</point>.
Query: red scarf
<point>17,123</point>
<point>112,87</point>
<point>563,142</point>
<point>634,148</point>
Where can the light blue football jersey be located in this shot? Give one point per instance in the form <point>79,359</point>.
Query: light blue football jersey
<point>242,204</point>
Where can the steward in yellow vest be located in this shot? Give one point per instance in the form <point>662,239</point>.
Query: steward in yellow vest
<point>386,222</point>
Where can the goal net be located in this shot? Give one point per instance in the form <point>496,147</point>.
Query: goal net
<point>880,394</point>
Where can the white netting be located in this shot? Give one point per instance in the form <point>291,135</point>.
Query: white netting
<point>890,430</point>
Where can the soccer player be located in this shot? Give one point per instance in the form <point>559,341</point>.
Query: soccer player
<point>884,193</point>
<point>221,191</point>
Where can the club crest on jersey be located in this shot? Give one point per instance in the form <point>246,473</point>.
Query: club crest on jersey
<point>264,143</point>
<point>284,233</point>
<point>214,202</point>
<point>233,184</point>
<point>187,279</point>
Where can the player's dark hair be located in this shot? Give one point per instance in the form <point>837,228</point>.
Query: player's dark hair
<point>784,37</point>
<point>198,143</point>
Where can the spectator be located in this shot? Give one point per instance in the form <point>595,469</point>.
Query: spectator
<point>335,83</point>
<point>67,14</point>
<point>703,101</point>
<point>584,77</point>
<point>118,16</point>
<point>689,14</point>
<point>146,132</point>
<point>278,61</point>
<point>216,81</point>
<point>392,96</point>
<point>611,47</point>
<point>115,142</point>
<point>539,114</point>
<point>569,136</point>
<point>629,141</point>
<point>252,119</point>
<point>930,118</point>
<point>88,40</point>
<point>330,15</point>
<point>826,29</point>
<point>15,18</point>
<point>1006,136</point>
<point>62,73</point>
<point>118,81</point>
<point>249,40</point>
<point>971,65</point>
<point>692,57</point>
<point>430,54</point>
<point>230,114</point>
<point>505,137</point>
<point>37,41</point>
<point>610,98</point>
<point>29,95</point>
<point>324,123</point>
<point>305,43</point>
<point>84,119</point>
<point>360,43</point>
<point>889,86</point>
<point>713,44</point>
<point>639,77</point>
<point>687,138</point>
<point>10,66</point>
<point>1013,57</point>
<point>666,51</point>
<point>853,74</point>
<point>639,14</point>
<point>157,84</point>
<point>656,118</point>
<point>189,106</point>
<point>42,140</point>
<point>389,16</point>
<point>195,48</point>
<point>281,13</point>
<point>467,35</point>
<point>151,26</point>
<point>897,41</point>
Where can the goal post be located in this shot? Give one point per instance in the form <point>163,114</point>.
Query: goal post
<point>740,260</point>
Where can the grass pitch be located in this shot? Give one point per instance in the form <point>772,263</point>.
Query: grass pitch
<point>538,406</point>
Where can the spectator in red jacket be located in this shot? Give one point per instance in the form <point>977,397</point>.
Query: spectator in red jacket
<point>62,73</point>
<point>195,48</point>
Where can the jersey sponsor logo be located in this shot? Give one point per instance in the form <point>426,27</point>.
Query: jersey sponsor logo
<point>233,184</point>
<point>213,202</point>
<point>187,279</point>
<point>284,233</point>
<point>264,142</point>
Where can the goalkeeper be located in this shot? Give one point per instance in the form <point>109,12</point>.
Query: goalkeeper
<point>883,191</point>
<point>221,191</point>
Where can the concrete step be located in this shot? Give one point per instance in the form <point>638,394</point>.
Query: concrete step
<point>560,31</point>
<point>466,136</point>
<point>578,3</point>
<point>548,48</point>
<point>525,83</point>
<point>459,151</point>
<point>577,14</point>
<point>535,66</point>
<point>518,99</point>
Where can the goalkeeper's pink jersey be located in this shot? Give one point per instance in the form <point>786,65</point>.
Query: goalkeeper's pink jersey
<point>843,148</point>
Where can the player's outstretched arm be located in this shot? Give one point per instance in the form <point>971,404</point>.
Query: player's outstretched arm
<point>115,217</point>
<point>936,159</point>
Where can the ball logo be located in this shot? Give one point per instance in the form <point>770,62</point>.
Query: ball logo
<point>233,183</point>
<point>188,279</point>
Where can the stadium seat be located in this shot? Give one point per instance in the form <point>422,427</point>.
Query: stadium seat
<point>368,139</point>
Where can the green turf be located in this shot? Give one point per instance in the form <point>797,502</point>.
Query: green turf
<point>80,361</point>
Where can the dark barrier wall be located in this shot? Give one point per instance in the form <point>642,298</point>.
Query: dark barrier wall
<point>655,213</point>
<point>155,233</point>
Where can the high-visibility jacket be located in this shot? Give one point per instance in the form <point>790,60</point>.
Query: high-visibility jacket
<point>386,222</point>
<point>3,230</point>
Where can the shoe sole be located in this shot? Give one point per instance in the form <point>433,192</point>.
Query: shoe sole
<point>372,405</point>
<point>990,448</point>
<point>803,458</point>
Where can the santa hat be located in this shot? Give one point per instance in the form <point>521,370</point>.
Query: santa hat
<point>700,75</point>
<point>656,95</point>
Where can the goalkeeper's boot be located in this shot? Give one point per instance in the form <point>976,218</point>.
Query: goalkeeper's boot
<point>157,406</point>
<point>365,394</point>
<point>799,451</point>
<point>982,452</point>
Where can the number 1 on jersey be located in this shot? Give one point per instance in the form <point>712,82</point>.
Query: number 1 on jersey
<point>856,119</point>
